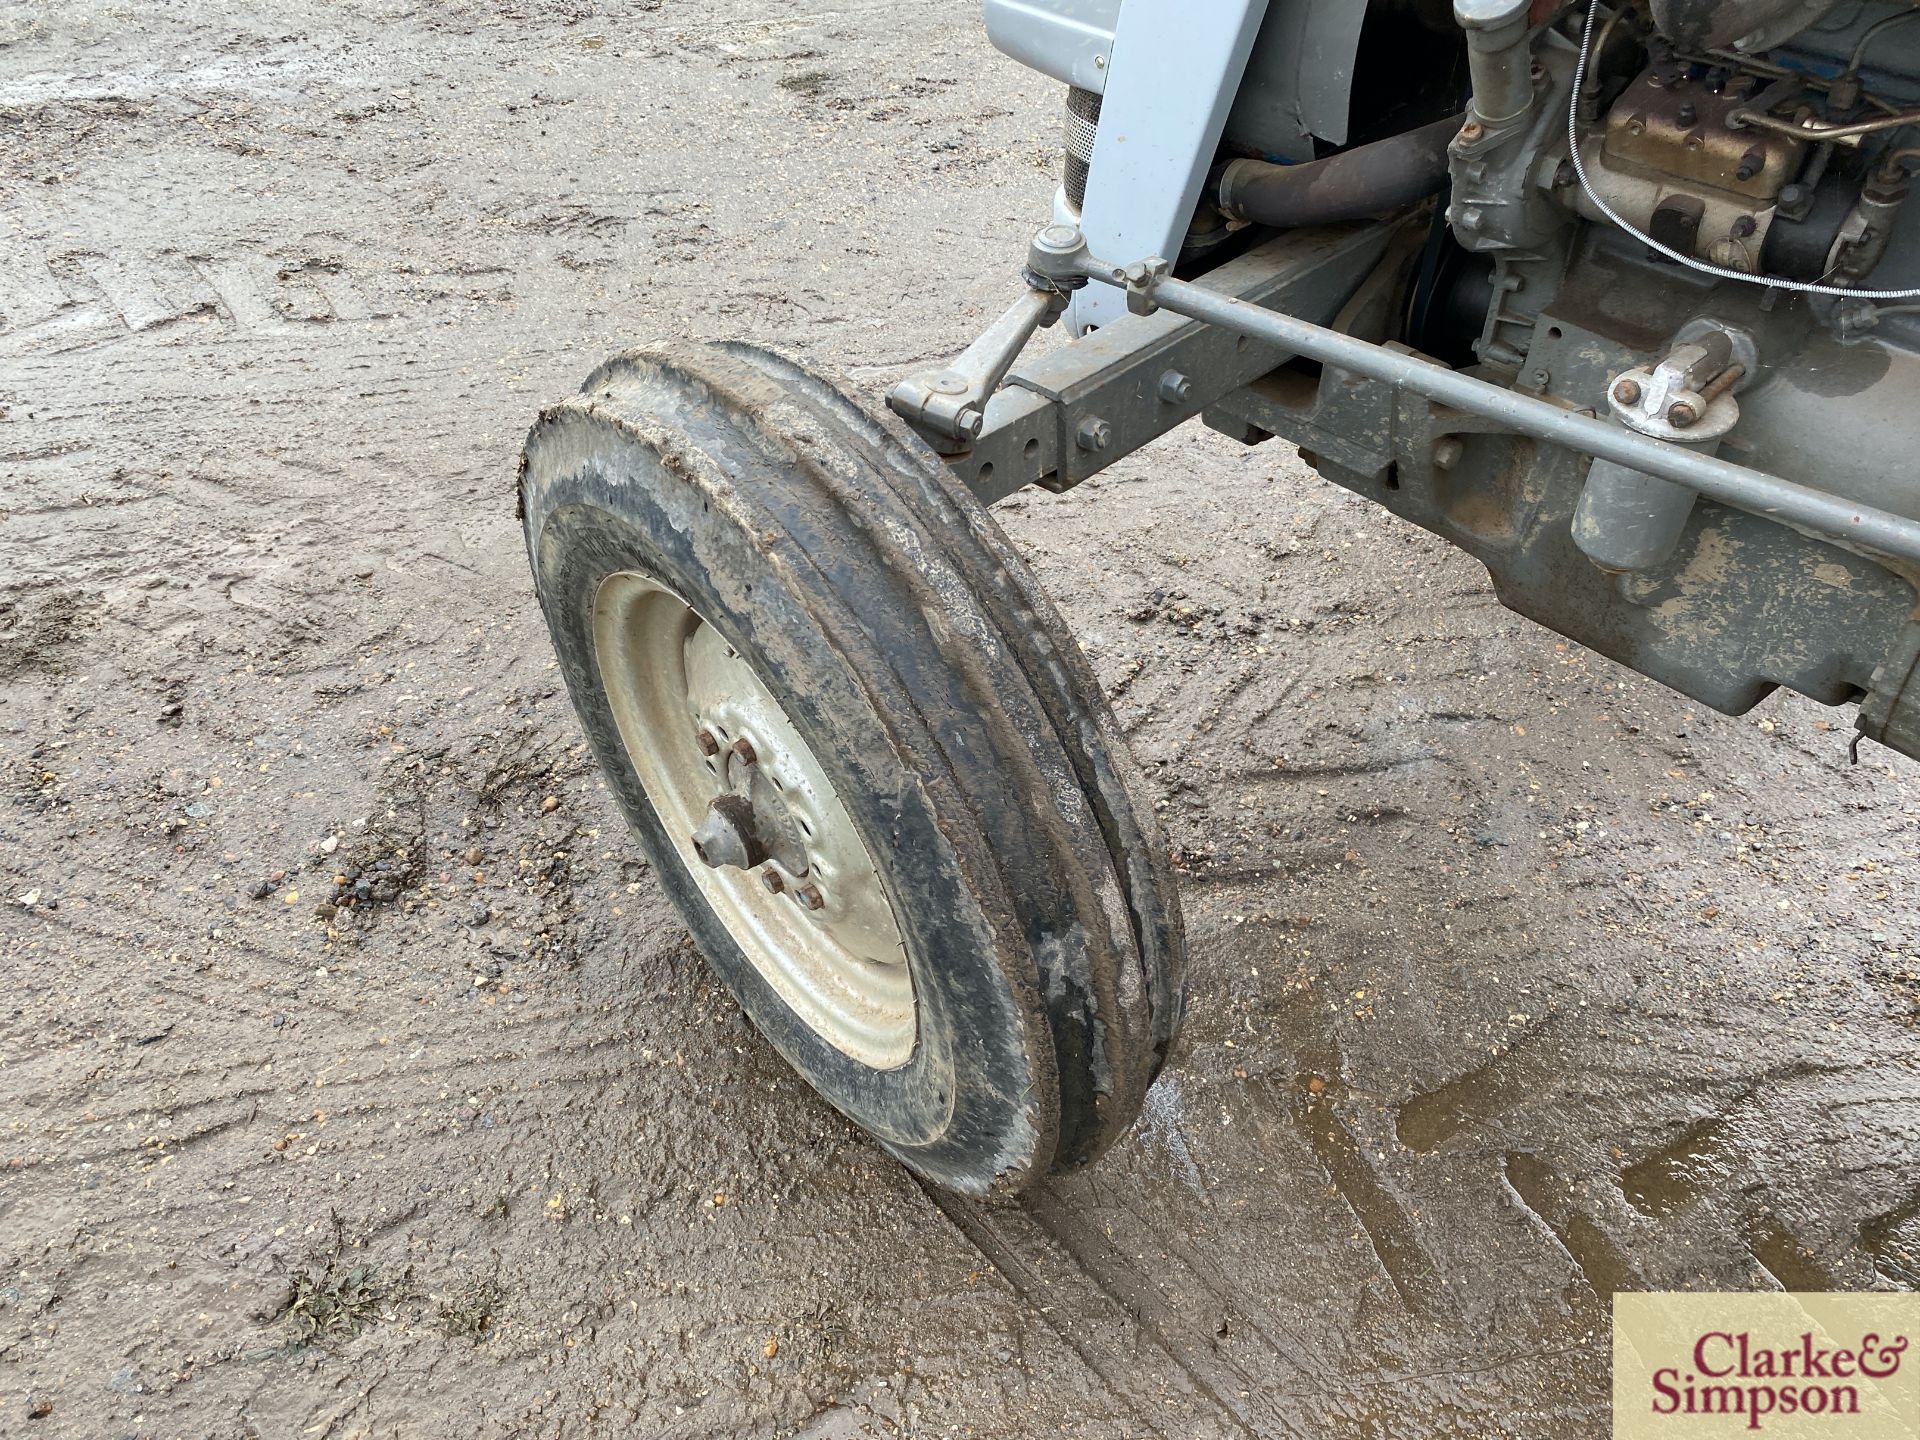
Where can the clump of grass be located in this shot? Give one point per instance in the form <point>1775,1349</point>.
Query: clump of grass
<point>471,1312</point>
<point>332,1302</point>
<point>805,82</point>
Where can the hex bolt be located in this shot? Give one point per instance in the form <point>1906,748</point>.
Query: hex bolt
<point>708,745</point>
<point>1447,452</point>
<point>1682,414</point>
<point>771,879</point>
<point>811,897</point>
<point>1751,164</point>
<point>744,750</point>
<point>1627,392</point>
<point>1094,434</point>
<point>969,423</point>
<point>1175,388</point>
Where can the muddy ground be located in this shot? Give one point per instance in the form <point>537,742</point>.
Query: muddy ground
<point>1516,980</point>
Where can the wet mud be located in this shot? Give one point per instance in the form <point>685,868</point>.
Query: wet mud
<point>355,1079</point>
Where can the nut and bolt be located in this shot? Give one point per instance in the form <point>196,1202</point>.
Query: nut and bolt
<point>1472,131</point>
<point>811,897</point>
<point>970,422</point>
<point>1627,392</point>
<point>1175,388</point>
<point>1447,452</point>
<point>771,879</point>
<point>1751,164</point>
<point>744,750</point>
<point>708,745</point>
<point>1094,434</point>
<point>1681,414</point>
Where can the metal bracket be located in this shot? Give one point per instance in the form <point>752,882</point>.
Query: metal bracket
<point>1064,417</point>
<point>948,406</point>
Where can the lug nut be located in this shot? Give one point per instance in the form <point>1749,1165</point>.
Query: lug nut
<point>708,745</point>
<point>744,750</point>
<point>771,879</point>
<point>1682,414</point>
<point>1094,434</point>
<point>1627,392</point>
<point>811,897</point>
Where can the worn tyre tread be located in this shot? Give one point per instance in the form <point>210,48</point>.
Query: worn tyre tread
<point>960,653</point>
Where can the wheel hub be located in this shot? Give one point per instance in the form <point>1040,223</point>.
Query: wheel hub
<point>767,837</point>
<point>727,836</point>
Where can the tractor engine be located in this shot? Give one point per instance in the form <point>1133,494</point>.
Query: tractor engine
<point>1688,218</point>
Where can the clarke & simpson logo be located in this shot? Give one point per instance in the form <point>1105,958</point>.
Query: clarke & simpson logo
<point>1731,1375</point>
<point>1791,1366</point>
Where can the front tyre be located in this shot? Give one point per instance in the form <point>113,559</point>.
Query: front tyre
<point>867,762</point>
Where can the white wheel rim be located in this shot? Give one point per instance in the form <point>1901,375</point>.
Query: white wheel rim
<point>835,954</point>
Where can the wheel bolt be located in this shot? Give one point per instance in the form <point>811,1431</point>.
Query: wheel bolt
<point>771,879</point>
<point>1627,392</point>
<point>708,745</point>
<point>744,751</point>
<point>811,897</point>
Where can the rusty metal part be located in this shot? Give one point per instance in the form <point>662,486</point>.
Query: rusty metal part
<point>1688,390</point>
<point>1681,130</point>
<point>1723,382</point>
<point>1668,160</point>
<point>708,745</point>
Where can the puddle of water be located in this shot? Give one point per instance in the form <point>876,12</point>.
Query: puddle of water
<point>1600,1262</point>
<point>1675,1176</point>
<point>1391,1232</point>
<point>1784,1257</point>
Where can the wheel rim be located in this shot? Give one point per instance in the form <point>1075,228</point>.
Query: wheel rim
<point>757,822</point>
